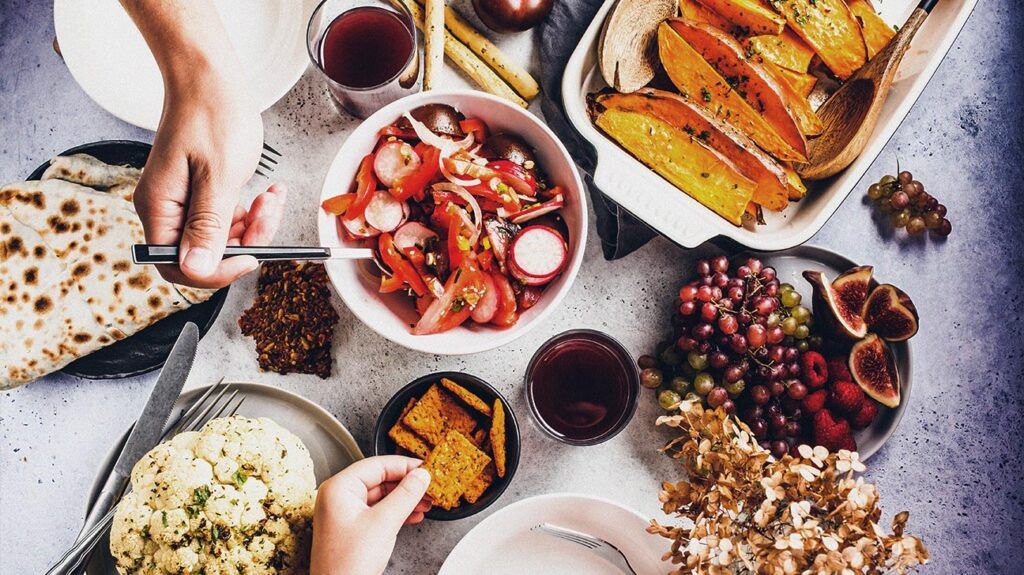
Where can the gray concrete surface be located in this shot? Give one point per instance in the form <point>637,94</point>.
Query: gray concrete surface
<point>955,461</point>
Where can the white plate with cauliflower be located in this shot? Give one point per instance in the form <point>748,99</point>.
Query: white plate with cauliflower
<point>237,494</point>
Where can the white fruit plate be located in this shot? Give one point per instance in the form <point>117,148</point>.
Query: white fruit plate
<point>685,221</point>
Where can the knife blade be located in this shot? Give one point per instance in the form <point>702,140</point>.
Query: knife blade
<point>168,254</point>
<point>148,429</point>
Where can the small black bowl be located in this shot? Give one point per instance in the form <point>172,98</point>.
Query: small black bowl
<point>383,445</point>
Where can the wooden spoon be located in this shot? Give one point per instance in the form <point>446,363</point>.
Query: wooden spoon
<point>851,113</point>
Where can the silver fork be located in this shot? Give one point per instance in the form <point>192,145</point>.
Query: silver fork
<point>601,547</point>
<point>268,160</point>
<point>197,415</point>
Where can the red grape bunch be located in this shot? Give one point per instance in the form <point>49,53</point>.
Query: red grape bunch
<point>909,206</point>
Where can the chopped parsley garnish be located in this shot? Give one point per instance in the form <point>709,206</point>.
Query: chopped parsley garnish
<point>239,478</point>
<point>163,518</point>
<point>706,94</point>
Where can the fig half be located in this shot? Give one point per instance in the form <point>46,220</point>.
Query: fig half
<point>839,304</point>
<point>889,313</point>
<point>873,367</point>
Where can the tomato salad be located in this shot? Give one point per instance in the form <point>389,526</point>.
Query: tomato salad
<point>464,219</point>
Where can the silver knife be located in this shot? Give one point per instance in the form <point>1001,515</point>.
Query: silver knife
<point>149,428</point>
<point>168,254</point>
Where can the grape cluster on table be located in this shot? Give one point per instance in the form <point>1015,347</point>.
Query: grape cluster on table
<point>909,205</point>
<point>737,341</point>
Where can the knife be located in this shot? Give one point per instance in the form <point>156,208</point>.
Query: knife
<point>149,428</point>
<point>168,254</point>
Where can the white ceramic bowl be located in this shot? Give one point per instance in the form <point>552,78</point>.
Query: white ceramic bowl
<point>391,315</point>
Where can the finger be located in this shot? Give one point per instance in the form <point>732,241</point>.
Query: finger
<point>366,474</point>
<point>161,195</point>
<point>375,494</point>
<point>423,506</point>
<point>227,272</point>
<point>264,217</point>
<point>210,209</point>
<point>401,503</point>
<point>414,519</point>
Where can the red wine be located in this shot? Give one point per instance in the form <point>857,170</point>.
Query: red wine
<point>365,47</point>
<point>583,386</point>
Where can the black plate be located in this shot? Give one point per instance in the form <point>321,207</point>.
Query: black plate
<point>146,350</point>
<point>383,445</point>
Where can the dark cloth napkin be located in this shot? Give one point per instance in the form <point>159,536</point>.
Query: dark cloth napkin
<point>620,232</point>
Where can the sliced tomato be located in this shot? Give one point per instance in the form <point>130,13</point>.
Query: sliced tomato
<point>338,204</point>
<point>488,304</point>
<point>498,192</point>
<point>415,183</point>
<point>390,284</point>
<point>397,132</point>
<point>474,126</point>
<point>506,314</point>
<point>366,184</point>
<point>462,293</point>
<point>400,267</point>
<point>528,297</point>
<point>455,238</point>
<point>486,205</point>
<point>419,263</point>
<point>521,179</point>
<point>486,259</point>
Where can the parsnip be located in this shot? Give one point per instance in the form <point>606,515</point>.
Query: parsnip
<point>516,76</point>
<point>433,41</point>
<point>466,60</point>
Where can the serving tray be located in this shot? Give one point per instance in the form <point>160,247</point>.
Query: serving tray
<point>685,221</point>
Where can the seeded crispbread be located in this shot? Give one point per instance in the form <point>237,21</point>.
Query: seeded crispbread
<point>466,396</point>
<point>435,414</point>
<point>498,437</point>
<point>453,465</point>
<point>405,438</point>
<point>480,484</point>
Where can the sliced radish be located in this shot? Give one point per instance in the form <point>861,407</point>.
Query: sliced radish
<point>538,210</point>
<point>384,212</point>
<point>537,255</point>
<point>394,161</point>
<point>526,279</point>
<point>356,228</point>
<point>413,234</point>
<point>488,304</point>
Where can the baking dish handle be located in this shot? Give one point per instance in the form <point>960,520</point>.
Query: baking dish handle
<point>627,185</point>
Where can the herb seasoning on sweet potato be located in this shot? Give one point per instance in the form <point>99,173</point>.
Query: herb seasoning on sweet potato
<point>292,319</point>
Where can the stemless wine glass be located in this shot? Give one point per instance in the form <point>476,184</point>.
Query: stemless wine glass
<point>367,51</point>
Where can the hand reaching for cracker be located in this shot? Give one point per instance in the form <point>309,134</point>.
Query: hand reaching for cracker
<point>360,511</point>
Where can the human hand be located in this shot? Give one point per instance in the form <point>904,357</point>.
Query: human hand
<point>360,510</point>
<point>206,148</point>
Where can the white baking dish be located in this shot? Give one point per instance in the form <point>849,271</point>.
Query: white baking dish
<point>684,220</point>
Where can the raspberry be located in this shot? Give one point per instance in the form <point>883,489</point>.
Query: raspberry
<point>847,398</point>
<point>814,370</point>
<point>814,402</point>
<point>865,416</point>
<point>838,370</point>
<point>832,434</point>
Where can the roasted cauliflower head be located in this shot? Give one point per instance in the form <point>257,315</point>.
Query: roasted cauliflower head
<point>234,498</point>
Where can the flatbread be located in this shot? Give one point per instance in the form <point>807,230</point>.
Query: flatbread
<point>88,171</point>
<point>47,324</point>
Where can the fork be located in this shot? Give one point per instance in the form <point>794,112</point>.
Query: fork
<point>268,160</point>
<point>602,548</point>
<point>195,416</point>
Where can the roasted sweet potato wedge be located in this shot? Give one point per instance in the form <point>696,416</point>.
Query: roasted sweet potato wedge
<point>828,26</point>
<point>694,10</point>
<point>876,32</point>
<point>696,79</point>
<point>786,50</point>
<point>741,151</point>
<point>796,187</point>
<point>749,15</point>
<point>765,93</point>
<point>801,82</point>
<point>682,158</point>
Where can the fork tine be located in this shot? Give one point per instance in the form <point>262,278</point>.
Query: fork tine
<point>190,414</point>
<point>259,173</point>
<point>268,148</point>
<point>266,167</point>
<point>201,417</point>
<point>268,158</point>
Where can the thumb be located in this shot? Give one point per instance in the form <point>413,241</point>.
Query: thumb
<point>206,227</point>
<point>394,509</point>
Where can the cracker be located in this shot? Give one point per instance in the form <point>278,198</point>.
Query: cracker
<point>453,465</point>
<point>435,414</point>
<point>470,398</point>
<point>406,439</point>
<point>480,484</point>
<point>498,437</point>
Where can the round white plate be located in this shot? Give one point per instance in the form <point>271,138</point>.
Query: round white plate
<point>503,543</point>
<point>331,447</point>
<point>109,59</point>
